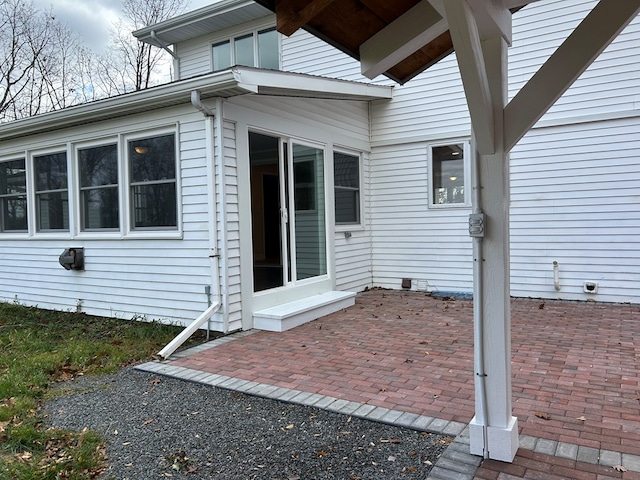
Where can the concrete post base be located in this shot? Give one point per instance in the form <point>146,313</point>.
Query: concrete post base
<point>502,443</point>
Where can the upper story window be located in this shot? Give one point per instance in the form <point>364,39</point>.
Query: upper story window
<point>13,196</point>
<point>98,168</point>
<point>152,164</point>
<point>448,172</point>
<point>52,195</point>
<point>256,49</point>
<point>346,173</point>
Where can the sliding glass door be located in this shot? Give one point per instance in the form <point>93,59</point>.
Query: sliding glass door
<point>287,211</point>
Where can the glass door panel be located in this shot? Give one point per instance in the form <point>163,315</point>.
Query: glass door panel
<point>309,208</point>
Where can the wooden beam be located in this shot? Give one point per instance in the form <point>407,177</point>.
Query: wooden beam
<point>493,19</point>
<point>565,65</point>
<point>466,41</point>
<point>294,14</point>
<point>404,36</point>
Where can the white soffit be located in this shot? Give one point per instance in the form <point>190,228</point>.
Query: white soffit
<point>215,17</point>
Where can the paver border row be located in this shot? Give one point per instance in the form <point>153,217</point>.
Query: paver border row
<point>456,463</point>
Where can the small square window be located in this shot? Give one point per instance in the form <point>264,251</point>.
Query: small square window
<point>448,166</point>
<point>346,170</point>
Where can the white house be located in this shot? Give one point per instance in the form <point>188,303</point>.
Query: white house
<point>272,180</point>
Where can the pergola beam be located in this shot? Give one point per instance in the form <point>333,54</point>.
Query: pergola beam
<point>599,28</point>
<point>493,19</point>
<point>400,39</point>
<point>466,42</point>
<point>294,14</point>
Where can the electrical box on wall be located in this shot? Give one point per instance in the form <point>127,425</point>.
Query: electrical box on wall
<point>72,259</point>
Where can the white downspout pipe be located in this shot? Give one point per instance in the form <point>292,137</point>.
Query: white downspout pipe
<point>213,240</point>
<point>478,307</point>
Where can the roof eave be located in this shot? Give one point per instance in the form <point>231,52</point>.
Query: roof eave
<point>228,83</point>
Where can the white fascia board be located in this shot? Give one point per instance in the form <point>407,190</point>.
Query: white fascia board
<point>134,102</point>
<point>270,82</point>
<point>181,27</point>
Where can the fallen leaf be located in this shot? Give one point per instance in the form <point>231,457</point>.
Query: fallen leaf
<point>619,468</point>
<point>148,421</point>
<point>543,415</point>
<point>154,381</point>
<point>290,426</point>
<point>322,453</point>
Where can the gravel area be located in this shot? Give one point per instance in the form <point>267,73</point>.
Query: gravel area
<point>158,427</point>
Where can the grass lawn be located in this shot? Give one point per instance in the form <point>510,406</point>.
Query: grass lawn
<point>40,348</point>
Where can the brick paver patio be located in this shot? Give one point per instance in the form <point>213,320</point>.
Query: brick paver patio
<point>576,378</point>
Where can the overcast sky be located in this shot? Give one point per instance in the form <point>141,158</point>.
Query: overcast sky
<point>91,19</point>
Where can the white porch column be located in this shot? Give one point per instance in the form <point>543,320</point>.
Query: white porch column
<point>494,431</point>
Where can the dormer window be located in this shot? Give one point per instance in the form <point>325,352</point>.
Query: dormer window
<point>255,49</point>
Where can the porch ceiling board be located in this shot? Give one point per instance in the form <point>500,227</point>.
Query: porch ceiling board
<point>350,25</point>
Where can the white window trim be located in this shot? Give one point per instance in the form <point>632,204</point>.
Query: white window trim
<point>31,194</point>
<point>467,174</point>
<point>350,227</point>
<point>96,233</point>
<point>129,232</point>
<point>11,234</point>
<point>252,29</point>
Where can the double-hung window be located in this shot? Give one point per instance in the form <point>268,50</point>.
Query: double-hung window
<point>98,167</point>
<point>13,196</point>
<point>346,173</point>
<point>152,185</point>
<point>51,193</point>
<point>448,171</point>
<point>255,49</point>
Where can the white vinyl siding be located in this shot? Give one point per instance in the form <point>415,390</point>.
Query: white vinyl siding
<point>409,240</point>
<point>155,278</point>
<point>576,203</point>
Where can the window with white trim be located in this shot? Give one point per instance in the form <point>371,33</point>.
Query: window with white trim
<point>13,196</point>
<point>256,49</point>
<point>448,174</point>
<point>152,182</point>
<point>51,192</point>
<point>346,174</point>
<point>99,202</point>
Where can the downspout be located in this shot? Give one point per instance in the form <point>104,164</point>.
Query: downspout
<point>213,252</point>
<point>556,275</point>
<point>477,225</point>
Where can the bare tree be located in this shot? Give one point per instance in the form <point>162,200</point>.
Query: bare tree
<point>132,64</point>
<point>38,62</point>
<point>24,37</point>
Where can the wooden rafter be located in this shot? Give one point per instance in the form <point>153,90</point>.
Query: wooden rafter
<point>294,14</point>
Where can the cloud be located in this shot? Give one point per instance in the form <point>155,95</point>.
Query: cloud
<point>91,19</point>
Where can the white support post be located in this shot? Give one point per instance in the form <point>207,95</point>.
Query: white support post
<point>495,436</point>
